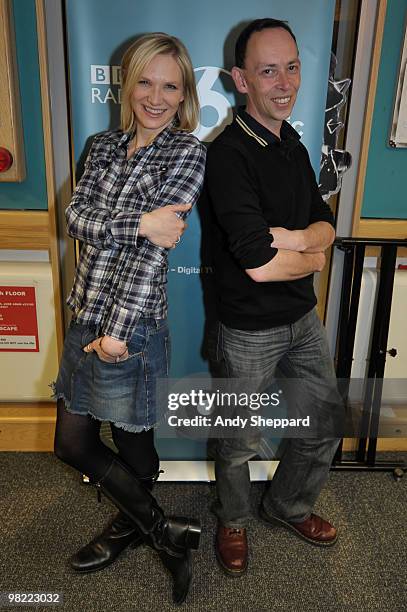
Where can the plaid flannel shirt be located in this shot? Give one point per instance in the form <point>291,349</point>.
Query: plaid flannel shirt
<point>121,276</point>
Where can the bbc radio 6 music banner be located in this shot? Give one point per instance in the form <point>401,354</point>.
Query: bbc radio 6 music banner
<point>98,33</point>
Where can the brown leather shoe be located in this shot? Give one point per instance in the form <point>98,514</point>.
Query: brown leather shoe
<point>232,550</point>
<point>314,529</point>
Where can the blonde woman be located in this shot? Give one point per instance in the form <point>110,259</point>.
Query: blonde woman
<point>128,210</point>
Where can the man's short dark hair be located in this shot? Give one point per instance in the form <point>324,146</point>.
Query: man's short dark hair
<point>256,26</point>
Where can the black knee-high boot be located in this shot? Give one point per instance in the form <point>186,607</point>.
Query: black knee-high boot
<point>120,533</point>
<point>171,537</point>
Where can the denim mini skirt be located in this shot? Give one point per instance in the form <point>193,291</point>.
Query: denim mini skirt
<point>123,393</point>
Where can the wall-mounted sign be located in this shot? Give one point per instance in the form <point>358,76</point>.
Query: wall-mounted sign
<point>18,319</point>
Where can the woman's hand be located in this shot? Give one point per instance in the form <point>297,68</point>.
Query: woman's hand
<point>162,226</point>
<point>108,349</point>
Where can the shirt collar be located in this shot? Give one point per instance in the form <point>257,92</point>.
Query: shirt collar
<point>289,136</point>
<point>162,140</point>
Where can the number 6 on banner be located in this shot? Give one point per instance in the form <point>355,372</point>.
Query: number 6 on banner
<point>214,99</point>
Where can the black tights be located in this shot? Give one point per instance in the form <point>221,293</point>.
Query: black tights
<point>78,443</point>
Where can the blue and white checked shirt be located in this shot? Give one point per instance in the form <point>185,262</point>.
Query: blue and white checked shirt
<point>120,276</point>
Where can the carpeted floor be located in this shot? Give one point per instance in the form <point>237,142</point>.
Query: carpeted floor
<point>47,513</point>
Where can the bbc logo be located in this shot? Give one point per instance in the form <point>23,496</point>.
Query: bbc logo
<point>105,75</point>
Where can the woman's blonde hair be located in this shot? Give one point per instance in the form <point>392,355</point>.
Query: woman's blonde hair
<point>137,56</point>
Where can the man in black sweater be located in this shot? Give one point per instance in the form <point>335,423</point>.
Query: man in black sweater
<point>270,233</point>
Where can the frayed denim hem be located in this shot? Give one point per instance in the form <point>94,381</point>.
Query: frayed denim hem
<point>56,396</point>
<point>126,426</point>
<point>52,385</point>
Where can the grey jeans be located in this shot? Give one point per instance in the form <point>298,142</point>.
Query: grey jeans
<point>300,351</point>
